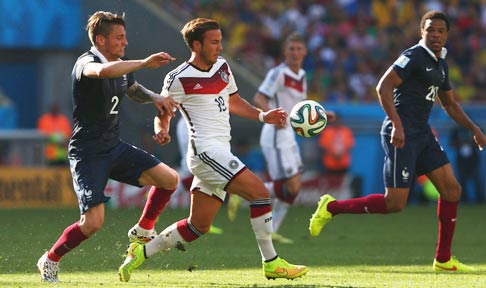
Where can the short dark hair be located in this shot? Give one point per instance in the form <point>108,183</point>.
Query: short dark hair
<point>434,14</point>
<point>100,23</point>
<point>194,30</point>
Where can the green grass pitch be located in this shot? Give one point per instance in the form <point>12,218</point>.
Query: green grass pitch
<point>352,251</point>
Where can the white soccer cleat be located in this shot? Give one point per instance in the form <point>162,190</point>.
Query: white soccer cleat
<point>48,269</point>
<point>139,235</point>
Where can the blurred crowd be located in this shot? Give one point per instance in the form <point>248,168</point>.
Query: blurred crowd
<point>350,42</point>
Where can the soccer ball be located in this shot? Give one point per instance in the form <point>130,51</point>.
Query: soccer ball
<point>308,118</point>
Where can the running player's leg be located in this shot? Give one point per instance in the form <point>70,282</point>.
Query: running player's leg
<point>136,167</point>
<point>398,171</point>
<point>284,167</point>
<point>250,187</point>
<point>89,179</point>
<point>204,207</point>
<point>450,193</point>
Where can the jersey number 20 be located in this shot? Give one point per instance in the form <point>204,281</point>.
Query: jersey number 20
<point>433,90</point>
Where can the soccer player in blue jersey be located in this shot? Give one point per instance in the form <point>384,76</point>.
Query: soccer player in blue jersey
<point>407,91</point>
<point>100,80</point>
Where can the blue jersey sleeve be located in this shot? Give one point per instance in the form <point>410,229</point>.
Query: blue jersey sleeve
<point>405,64</point>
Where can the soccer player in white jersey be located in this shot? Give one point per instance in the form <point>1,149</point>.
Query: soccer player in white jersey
<point>284,86</point>
<point>206,91</point>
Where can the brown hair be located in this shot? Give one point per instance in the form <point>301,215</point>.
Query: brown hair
<point>434,14</point>
<point>294,37</point>
<point>101,22</point>
<point>194,30</point>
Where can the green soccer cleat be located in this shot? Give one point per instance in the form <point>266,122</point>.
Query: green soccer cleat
<point>234,203</point>
<point>321,216</point>
<point>279,268</point>
<point>452,265</point>
<point>281,239</point>
<point>135,258</point>
<point>215,230</point>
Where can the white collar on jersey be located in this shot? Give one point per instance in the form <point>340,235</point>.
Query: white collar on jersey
<point>443,53</point>
<point>98,53</point>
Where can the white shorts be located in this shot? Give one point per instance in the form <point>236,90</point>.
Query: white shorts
<point>213,170</point>
<point>283,163</point>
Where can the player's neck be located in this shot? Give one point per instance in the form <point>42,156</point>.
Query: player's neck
<point>199,64</point>
<point>294,67</point>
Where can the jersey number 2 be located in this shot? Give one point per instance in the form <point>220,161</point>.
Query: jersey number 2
<point>114,109</point>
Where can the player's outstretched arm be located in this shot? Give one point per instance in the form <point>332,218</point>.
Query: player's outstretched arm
<point>454,110</point>
<point>138,93</point>
<point>114,69</point>
<point>242,108</point>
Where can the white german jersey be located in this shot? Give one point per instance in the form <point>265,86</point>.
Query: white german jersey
<point>203,98</point>
<point>284,89</point>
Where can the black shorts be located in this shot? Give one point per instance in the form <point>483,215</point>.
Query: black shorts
<point>419,156</point>
<point>124,163</point>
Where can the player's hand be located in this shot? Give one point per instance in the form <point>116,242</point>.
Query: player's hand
<point>276,116</point>
<point>162,137</point>
<point>158,59</point>
<point>397,137</point>
<point>480,139</point>
<point>166,105</point>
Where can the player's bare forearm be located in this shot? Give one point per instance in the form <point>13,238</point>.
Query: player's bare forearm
<point>242,108</point>
<point>454,110</point>
<point>161,128</point>
<point>114,69</point>
<point>261,101</point>
<point>138,93</point>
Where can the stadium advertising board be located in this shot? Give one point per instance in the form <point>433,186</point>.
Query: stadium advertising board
<point>36,187</point>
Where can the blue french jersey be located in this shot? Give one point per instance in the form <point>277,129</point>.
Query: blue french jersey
<point>96,104</point>
<point>423,76</point>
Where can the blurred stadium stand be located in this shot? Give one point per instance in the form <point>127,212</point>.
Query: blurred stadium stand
<point>348,41</point>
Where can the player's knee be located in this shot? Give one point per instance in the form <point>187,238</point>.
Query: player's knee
<point>452,193</point>
<point>294,188</point>
<point>171,180</point>
<point>91,226</point>
<point>174,180</point>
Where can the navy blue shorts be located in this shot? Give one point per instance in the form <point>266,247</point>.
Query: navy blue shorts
<point>124,163</point>
<point>419,156</point>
